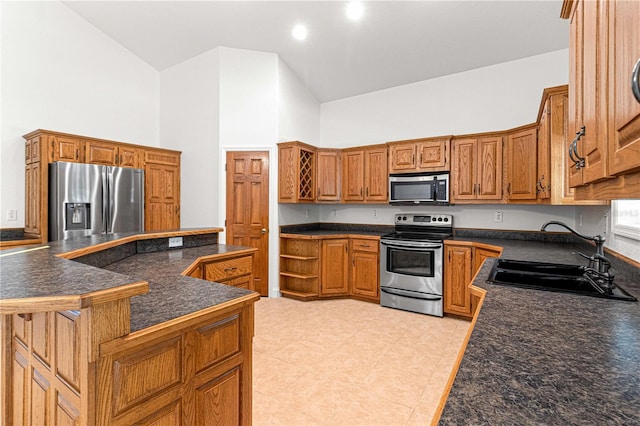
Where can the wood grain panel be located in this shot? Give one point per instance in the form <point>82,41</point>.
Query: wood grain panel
<point>141,374</point>
<point>20,385</point>
<point>128,157</point>
<point>335,267</point>
<point>365,274</point>
<point>457,277</point>
<point>329,175</point>
<point>216,342</point>
<point>376,175</point>
<point>521,165</point>
<point>218,401</point>
<point>20,331</point>
<point>40,394</point>
<point>67,414</point>
<point>169,415</point>
<point>67,347</point>
<point>490,168</point>
<point>352,175</point>
<point>402,157</point>
<point>41,335</point>
<point>464,169</point>
<point>433,155</point>
<point>228,268</point>
<point>101,153</point>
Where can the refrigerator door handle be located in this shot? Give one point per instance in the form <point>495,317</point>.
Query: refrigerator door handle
<point>105,200</point>
<point>110,199</point>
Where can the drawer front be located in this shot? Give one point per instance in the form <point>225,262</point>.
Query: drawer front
<point>365,245</point>
<point>242,282</point>
<point>228,268</point>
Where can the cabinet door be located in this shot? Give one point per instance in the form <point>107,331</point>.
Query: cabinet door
<point>353,175</point>
<point>65,148</point>
<point>162,197</point>
<point>521,165</point>
<point>376,175</point>
<point>365,274</point>
<point>489,175</point>
<point>624,42</point>
<point>479,256</point>
<point>543,181</point>
<point>593,145</point>
<point>128,157</point>
<point>335,267</point>
<point>329,171</point>
<point>33,199</point>
<point>287,171</point>
<point>101,153</point>
<point>432,155</point>
<point>463,175</point>
<point>219,402</point>
<point>402,157</point>
<point>457,277</point>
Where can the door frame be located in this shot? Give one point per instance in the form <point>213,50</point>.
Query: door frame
<point>274,229</point>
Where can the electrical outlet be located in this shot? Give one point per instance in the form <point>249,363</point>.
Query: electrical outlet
<point>306,213</point>
<point>606,224</point>
<point>335,213</point>
<point>497,216</point>
<point>375,213</point>
<point>175,242</point>
<point>580,219</point>
<point>12,215</point>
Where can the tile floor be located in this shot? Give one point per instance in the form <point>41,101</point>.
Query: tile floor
<point>347,362</point>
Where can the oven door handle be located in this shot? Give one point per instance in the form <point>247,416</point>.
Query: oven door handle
<point>413,245</point>
<point>410,294</point>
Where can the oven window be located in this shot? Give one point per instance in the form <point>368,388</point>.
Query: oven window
<point>419,190</point>
<point>410,262</point>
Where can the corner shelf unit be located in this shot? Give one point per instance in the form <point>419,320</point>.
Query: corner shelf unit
<point>299,267</point>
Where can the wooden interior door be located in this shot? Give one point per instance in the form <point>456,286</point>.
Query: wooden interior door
<point>248,209</point>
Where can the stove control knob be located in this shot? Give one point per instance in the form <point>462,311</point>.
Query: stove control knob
<point>404,218</point>
<point>446,219</point>
<point>433,219</point>
<point>439,219</point>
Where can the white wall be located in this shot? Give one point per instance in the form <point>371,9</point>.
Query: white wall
<point>486,99</point>
<point>497,97</point>
<point>594,220</point>
<point>61,73</point>
<point>189,122</point>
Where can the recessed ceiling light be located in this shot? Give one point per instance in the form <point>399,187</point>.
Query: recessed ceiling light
<point>355,10</point>
<point>299,32</point>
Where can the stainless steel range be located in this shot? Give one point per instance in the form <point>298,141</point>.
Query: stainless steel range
<point>411,262</point>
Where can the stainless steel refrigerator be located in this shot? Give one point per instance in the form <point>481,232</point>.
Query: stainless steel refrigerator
<point>86,199</point>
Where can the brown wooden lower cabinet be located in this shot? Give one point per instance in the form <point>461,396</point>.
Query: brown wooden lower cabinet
<point>84,367</point>
<point>312,267</point>
<point>461,262</point>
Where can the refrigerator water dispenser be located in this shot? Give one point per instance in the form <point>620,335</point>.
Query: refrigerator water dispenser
<point>77,216</point>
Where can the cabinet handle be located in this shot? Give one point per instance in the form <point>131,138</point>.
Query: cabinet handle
<point>361,191</point>
<point>420,157</point>
<point>233,268</point>
<point>478,189</point>
<point>635,81</point>
<point>578,161</point>
<point>77,154</point>
<point>367,191</point>
<point>120,159</point>
<point>318,191</point>
<point>509,188</point>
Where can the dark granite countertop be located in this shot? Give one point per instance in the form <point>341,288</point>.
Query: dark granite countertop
<point>27,274</point>
<point>538,357</point>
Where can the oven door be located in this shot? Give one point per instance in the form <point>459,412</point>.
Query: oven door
<point>415,266</point>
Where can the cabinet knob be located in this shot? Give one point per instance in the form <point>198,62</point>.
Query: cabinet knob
<point>635,81</point>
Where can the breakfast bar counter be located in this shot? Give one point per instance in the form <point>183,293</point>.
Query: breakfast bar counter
<point>115,329</point>
<point>542,357</point>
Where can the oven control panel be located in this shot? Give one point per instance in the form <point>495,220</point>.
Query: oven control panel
<point>424,219</point>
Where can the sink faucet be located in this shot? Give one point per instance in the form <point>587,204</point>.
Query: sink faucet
<point>597,262</point>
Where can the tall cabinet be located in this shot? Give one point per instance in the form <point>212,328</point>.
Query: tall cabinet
<point>161,166</point>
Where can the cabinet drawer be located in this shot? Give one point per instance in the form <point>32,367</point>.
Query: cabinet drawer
<point>228,268</point>
<point>365,245</point>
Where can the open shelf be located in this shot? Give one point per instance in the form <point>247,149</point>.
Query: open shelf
<point>291,256</point>
<point>299,295</point>
<point>298,275</point>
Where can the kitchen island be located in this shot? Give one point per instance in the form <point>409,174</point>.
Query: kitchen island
<point>87,344</point>
<point>540,357</point>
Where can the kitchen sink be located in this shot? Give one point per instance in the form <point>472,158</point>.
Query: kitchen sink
<point>552,277</point>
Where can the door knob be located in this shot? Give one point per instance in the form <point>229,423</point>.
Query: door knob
<point>263,230</point>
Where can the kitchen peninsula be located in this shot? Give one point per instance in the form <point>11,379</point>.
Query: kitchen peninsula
<point>87,344</point>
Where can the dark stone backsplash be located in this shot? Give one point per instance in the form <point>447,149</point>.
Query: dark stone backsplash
<point>115,254</point>
<point>341,227</point>
<point>550,237</point>
<point>11,234</point>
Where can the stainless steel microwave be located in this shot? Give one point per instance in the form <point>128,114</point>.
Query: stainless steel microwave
<point>417,188</point>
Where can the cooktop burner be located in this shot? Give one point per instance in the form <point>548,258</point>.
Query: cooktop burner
<point>421,227</point>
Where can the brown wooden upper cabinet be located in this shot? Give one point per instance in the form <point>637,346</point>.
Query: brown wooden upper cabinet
<point>296,172</point>
<point>365,174</point>
<point>329,175</point>
<point>521,173</point>
<point>604,115</point>
<point>110,154</point>
<point>419,155</point>
<point>161,190</point>
<point>162,175</point>
<point>476,169</point>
